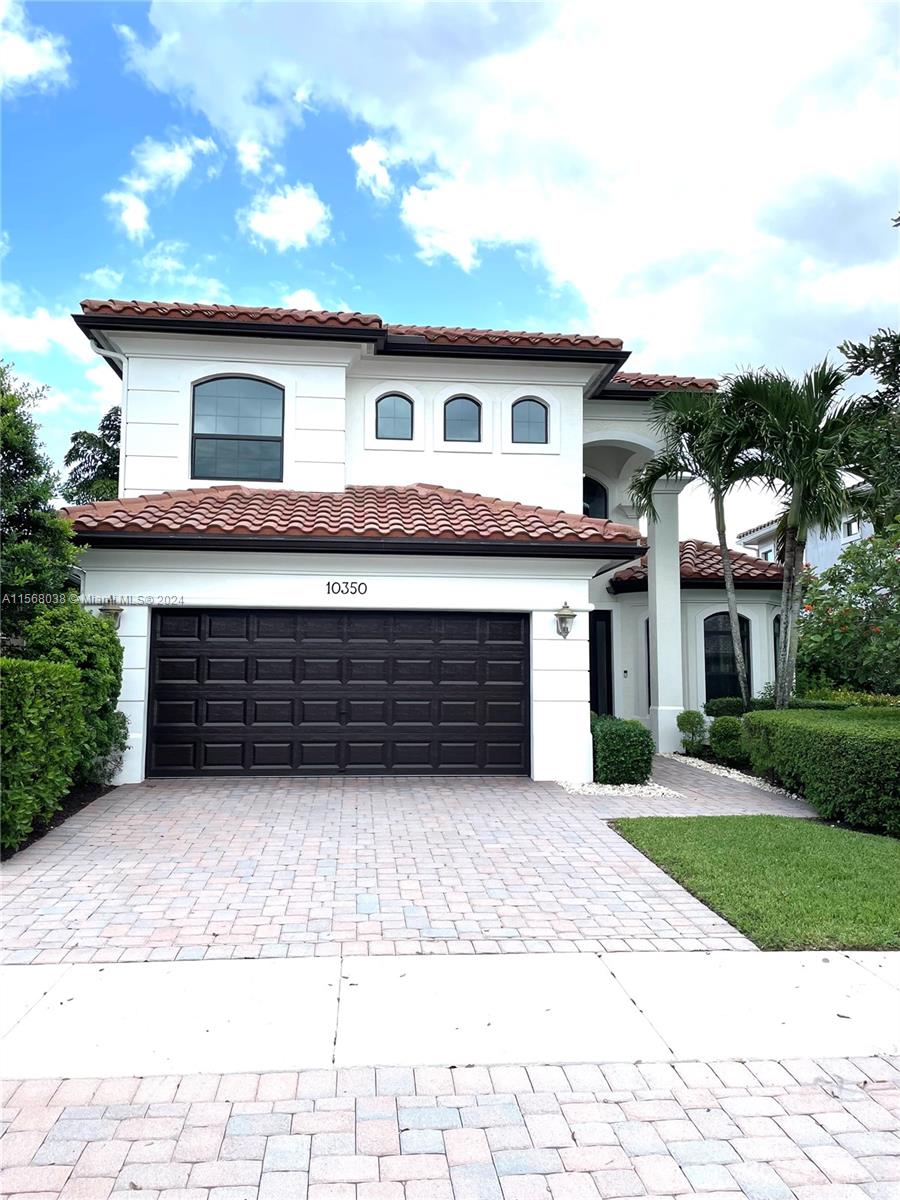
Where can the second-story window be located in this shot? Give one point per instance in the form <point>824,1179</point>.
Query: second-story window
<point>462,420</point>
<point>529,421</point>
<point>238,426</point>
<point>394,418</point>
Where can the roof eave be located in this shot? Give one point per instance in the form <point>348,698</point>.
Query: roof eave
<point>622,551</point>
<point>620,586</point>
<point>93,325</point>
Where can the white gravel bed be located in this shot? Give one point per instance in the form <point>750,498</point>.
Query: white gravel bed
<point>619,789</point>
<point>730,773</point>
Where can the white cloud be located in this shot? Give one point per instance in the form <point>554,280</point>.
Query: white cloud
<point>290,217</point>
<point>131,212</point>
<point>303,298</point>
<point>35,330</point>
<point>157,167</point>
<point>371,160</point>
<point>29,57</point>
<point>106,278</point>
<point>164,265</point>
<point>643,188</point>
<point>251,155</point>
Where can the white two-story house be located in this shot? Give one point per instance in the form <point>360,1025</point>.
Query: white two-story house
<point>348,546</point>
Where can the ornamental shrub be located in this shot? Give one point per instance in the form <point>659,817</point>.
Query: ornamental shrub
<point>623,751</point>
<point>845,763</point>
<point>724,706</point>
<point>692,725</point>
<point>69,633</point>
<point>725,741</point>
<point>41,735</point>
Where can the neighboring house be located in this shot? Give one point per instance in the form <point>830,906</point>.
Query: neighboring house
<point>822,549</point>
<point>296,600</point>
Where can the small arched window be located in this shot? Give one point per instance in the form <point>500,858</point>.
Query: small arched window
<point>529,421</point>
<point>718,651</point>
<point>394,418</point>
<point>462,420</point>
<point>595,500</point>
<point>237,429</point>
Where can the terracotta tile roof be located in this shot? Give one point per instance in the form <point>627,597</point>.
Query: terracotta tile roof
<point>701,562</point>
<point>638,379</point>
<point>433,334</point>
<point>420,511</point>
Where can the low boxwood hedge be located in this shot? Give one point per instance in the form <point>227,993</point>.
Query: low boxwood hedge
<point>725,741</point>
<point>623,750</point>
<point>845,763</point>
<point>41,740</point>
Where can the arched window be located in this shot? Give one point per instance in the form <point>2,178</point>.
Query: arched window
<point>462,420</point>
<point>394,418</point>
<point>721,670</point>
<point>237,429</point>
<point>594,498</point>
<point>529,421</point>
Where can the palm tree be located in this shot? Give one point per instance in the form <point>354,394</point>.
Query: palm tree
<point>804,431</point>
<point>704,435</point>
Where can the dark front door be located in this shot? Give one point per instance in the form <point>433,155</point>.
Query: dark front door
<point>274,692</point>
<point>600,631</point>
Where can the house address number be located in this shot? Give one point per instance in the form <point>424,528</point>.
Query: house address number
<point>346,587</point>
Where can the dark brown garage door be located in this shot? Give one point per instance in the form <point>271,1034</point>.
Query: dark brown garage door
<point>273,692</point>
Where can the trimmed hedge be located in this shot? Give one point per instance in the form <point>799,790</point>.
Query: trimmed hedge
<point>623,750</point>
<point>69,633</point>
<point>846,764</point>
<point>692,727</point>
<point>725,740</point>
<point>731,706</point>
<point>41,739</point>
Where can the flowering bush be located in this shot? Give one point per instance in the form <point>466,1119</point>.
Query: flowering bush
<point>850,626</point>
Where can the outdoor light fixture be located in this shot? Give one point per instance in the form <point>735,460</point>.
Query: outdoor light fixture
<point>565,619</point>
<point>113,613</point>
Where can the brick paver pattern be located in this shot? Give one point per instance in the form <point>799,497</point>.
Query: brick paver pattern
<point>271,867</point>
<point>825,1130</point>
<point>221,868</point>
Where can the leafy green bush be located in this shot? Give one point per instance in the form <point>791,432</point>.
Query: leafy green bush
<point>623,750</point>
<point>692,726</point>
<point>69,633</point>
<point>41,735</point>
<point>850,625</point>
<point>847,698</point>
<point>724,706</point>
<point>725,740</point>
<point>845,763</point>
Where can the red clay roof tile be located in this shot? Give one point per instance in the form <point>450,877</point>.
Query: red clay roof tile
<point>435,334</point>
<point>701,562</point>
<point>420,511</point>
<point>638,379</point>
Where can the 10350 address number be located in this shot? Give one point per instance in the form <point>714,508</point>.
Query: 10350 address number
<point>346,587</point>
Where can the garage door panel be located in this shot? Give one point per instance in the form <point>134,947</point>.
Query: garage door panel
<point>281,692</point>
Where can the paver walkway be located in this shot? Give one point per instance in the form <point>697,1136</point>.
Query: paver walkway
<point>717,795</point>
<point>814,1130</point>
<point>270,867</point>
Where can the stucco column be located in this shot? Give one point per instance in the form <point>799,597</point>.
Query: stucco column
<point>664,594</point>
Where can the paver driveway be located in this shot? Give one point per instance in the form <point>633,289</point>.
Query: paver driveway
<point>224,868</point>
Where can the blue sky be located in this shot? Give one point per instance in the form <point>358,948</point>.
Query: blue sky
<point>673,175</point>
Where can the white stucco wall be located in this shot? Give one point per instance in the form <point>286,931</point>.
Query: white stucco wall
<point>630,613</point>
<point>561,747</point>
<point>330,393</point>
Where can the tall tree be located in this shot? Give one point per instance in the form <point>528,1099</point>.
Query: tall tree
<point>94,461</point>
<point>703,435</point>
<point>803,430</point>
<point>37,548</point>
<point>875,440</point>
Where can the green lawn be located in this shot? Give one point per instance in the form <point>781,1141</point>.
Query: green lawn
<point>787,883</point>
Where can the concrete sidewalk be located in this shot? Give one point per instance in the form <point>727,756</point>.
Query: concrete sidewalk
<point>68,1021</point>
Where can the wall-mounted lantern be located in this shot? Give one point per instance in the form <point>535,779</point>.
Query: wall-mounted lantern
<point>112,612</point>
<point>565,619</point>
